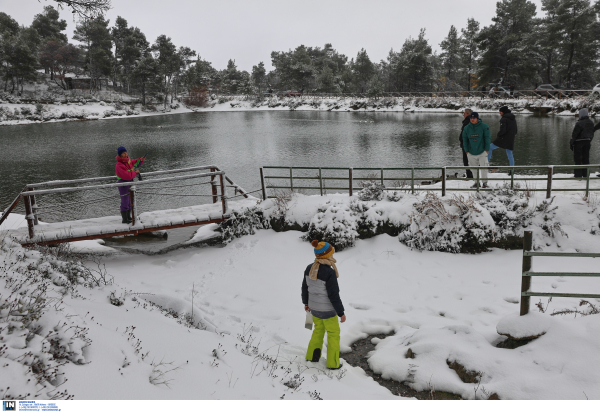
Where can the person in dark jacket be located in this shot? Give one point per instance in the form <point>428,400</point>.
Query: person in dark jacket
<point>581,141</point>
<point>466,121</point>
<point>321,296</point>
<point>506,135</point>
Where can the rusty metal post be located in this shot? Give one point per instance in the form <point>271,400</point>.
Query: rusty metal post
<point>526,280</point>
<point>350,180</point>
<point>223,194</point>
<point>443,181</point>
<point>549,186</point>
<point>262,183</point>
<point>321,181</point>
<point>29,216</point>
<point>132,204</point>
<point>34,208</point>
<point>213,184</point>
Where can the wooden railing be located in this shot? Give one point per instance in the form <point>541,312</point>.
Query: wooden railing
<point>527,274</point>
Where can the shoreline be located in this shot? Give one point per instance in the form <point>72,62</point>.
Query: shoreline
<point>13,114</point>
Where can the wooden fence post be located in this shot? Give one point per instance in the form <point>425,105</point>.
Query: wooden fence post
<point>549,186</point>
<point>213,184</point>
<point>34,208</point>
<point>526,280</point>
<point>291,180</point>
<point>133,204</point>
<point>29,216</point>
<point>443,181</point>
<point>412,180</point>
<point>350,180</point>
<point>587,183</point>
<point>223,194</point>
<point>262,182</point>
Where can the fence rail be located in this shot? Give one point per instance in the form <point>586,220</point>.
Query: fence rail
<point>527,274</point>
<point>417,182</point>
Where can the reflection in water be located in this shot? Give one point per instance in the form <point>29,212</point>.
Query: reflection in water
<point>241,142</point>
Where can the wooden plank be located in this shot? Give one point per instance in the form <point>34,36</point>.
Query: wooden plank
<point>123,233</point>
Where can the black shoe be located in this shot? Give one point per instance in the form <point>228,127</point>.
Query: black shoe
<point>485,186</point>
<point>124,216</point>
<point>316,356</point>
<point>475,186</point>
<point>339,367</point>
<point>129,216</point>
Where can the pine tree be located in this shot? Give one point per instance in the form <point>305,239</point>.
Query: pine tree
<point>97,46</point>
<point>469,51</point>
<point>49,25</point>
<point>507,55</point>
<point>363,70</point>
<point>259,74</point>
<point>168,63</point>
<point>451,59</point>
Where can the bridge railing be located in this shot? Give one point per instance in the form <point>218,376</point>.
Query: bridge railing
<point>72,199</point>
<point>324,179</point>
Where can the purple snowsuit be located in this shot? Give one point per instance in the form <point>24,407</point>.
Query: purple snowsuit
<point>125,173</point>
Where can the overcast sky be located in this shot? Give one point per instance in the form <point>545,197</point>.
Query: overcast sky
<point>248,30</point>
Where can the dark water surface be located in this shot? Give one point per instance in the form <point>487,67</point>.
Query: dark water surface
<point>241,142</point>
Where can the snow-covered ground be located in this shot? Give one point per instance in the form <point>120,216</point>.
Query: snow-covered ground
<point>228,322</point>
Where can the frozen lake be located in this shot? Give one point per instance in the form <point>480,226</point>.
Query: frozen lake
<point>241,142</point>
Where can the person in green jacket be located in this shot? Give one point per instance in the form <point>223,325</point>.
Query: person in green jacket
<point>476,141</point>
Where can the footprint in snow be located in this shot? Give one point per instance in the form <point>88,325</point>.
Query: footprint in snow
<point>360,306</point>
<point>511,299</point>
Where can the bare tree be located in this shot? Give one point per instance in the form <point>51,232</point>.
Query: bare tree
<point>85,8</point>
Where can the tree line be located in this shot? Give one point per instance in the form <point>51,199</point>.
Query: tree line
<point>517,48</point>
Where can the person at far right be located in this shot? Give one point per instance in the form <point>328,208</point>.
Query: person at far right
<point>581,141</point>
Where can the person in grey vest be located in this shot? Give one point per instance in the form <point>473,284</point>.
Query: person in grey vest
<point>321,296</point>
<point>581,141</point>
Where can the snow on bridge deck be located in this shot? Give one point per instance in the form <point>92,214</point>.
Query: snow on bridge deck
<point>110,226</point>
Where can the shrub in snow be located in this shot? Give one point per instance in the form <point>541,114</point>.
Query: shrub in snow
<point>25,111</point>
<point>509,208</point>
<point>372,190</point>
<point>243,222</point>
<point>394,196</point>
<point>174,106</point>
<point>334,223</point>
<point>449,225</point>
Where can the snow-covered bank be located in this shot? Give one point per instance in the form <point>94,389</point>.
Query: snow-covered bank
<point>404,104</point>
<point>15,113</point>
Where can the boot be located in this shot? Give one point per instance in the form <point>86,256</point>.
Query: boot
<point>124,216</point>
<point>129,216</point>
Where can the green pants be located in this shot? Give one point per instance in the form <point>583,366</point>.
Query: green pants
<point>332,326</point>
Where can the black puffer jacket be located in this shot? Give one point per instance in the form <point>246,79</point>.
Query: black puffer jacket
<point>584,130</point>
<point>465,122</point>
<point>507,133</point>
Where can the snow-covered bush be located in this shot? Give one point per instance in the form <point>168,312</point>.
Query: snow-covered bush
<point>25,111</point>
<point>449,225</point>
<point>372,190</point>
<point>243,222</point>
<point>335,223</point>
<point>38,336</point>
<point>394,196</point>
<point>509,208</point>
